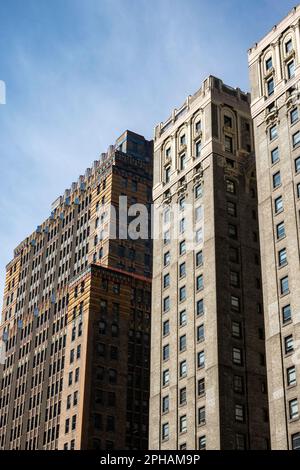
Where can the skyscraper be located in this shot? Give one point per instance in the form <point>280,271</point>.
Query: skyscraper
<point>208,375</point>
<point>274,75</point>
<point>76,316</point>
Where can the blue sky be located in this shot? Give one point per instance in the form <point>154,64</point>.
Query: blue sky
<point>79,72</point>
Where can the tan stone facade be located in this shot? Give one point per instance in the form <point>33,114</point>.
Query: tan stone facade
<point>208,376</point>
<point>274,75</point>
<point>39,306</point>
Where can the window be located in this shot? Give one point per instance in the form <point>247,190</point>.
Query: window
<point>182,369</point>
<point>238,384</point>
<point>199,282</point>
<point>182,396</point>
<point>165,404</point>
<point>166,352</point>
<point>236,329</point>
<point>182,248</point>
<point>227,121</point>
<point>198,126</point>
<point>166,328</point>
<point>198,213</point>
<point>282,257</point>
<point>198,148</point>
<point>288,46</point>
<point>166,377</point>
<point>270,86</point>
<point>201,359</point>
<point>202,442</point>
<point>239,413</point>
<point>166,304</point>
<point>199,236</point>
<point>276,180</point>
<point>296,441</point>
<point>182,423</point>
<point>182,203</point>
<point>298,190</point>
<point>199,258</point>
<point>67,426</point>
<point>237,356</point>
<point>231,208</point>
<point>280,230</point>
<point>182,225</point>
<point>228,144</point>
<point>293,408</point>
<point>288,344</point>
<point>200,307</point>
<point>273,132</point>
<point>297,164</point>
<point>182,294</point>
<point>183,161</point>
<point>232,231</point>
<point>73,422</point>
<point>286,313</point>
<point>198,191</point>
<point>230,186</point>
<point>166,258</point>
<point>234,279</point>
<point>167,174</point>
<point>168,152</point>
<point>296,139</point>
<point>166,280</point>
<point>182,139</point>
<point>167,237</point>
<point>182,271</point>
<point>201,415</point>
<point>182,318</point>
<point>240,442</point>
<point>275,155</point>
<point>291,376</point>
<point>294,115</point>
<point>235,302</point>
<point>165,431</point>
<point>201,387</point>
<point>291,69</point>
<point>269,63</point>
<point>278,204</point>
<point>182,343</point>
<point>284,285</point>
<point>200,333</point>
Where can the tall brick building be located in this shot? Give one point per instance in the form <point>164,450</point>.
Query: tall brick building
<point>208,374</point>
<point>76,317</point>
<point>274,74</point>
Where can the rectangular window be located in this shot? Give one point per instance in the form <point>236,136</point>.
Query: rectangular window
<point>200,307</point>
<point>239,413</point>
<point>228,144</point>
<point>237,356</point>
<point>296,139</point>
<point>232,231</point>
<point>182,423</point>
<point>288,344</point>
<point>166,328</point>
<point>291,376</point>
<point>230,187</point>
<point>182,225</point>
<point>198,191</point>
<point>273,132</point>
<point>280,230</point>
<point>199,258</point>
<point>202,442</point>
<point>269,63</point>
<point>201,359</point>
<point>165,404</point>
<point>288,46</point>
<point>182,203</point>
<point>199,236</point>
<point>294,115</point>
<point>182,343</point>
<point>276,180</point>
<point>275,155</point>
<point>238,384</point>
<point>166,258</point>
<point>278,203</point>
<point>182,369</point>
<point>165,431</point>
<point>298,190</point>
<point>166,280</point>
<point>200,333</point>
<point>182,294</point>
<point>282,257</point>
<point>166,304</point>
<point>201,387</point>
<point>236,329</point>
<point>198,148</point>
<point>234,279</point>
<point>166,352</point>
<point>182,247</point>
<point>235,302</point>
<point>182,396</point>
<point>231,208</point>
<point>293,408</point>
<point>297,165</point>
<point>240,441</point>
<point>286,313</point>
<point>182,140</point>
<point>167,174</point>
<point>270,86</point>
<point>296,441</point>
<point>291,69</point>
<point>199,282</point>
<point>183,162</point>
<point>198,213</point>
<point>284,285</point>
<point>182,270</point>
<point>166,377</point>
<point>201,415</point>
<point>182,318</point>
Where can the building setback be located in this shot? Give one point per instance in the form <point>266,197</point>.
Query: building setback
<point>208,375</point>
<point>76,317</point>
<point>274,75</point>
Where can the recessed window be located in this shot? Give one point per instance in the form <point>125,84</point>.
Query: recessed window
<point>286,313</point>
<point>201,387</point>
<point>166,280</point>
<point>183,162</point>
<point>270,86</point>
<point>166,258</point>
<point>182,139</point>
<point>236,329</point>
<point>182,203</point>
<point>200,307</point>
<point>165,431</point>
<point>202,442</point>
<point>201,415</point>
<point>231,208</point>
<point>288,344</point>
<point>182,293</point>
<point>296,441</point>
<point>165,404</point>
<point>199,236</point>
<point>240,441</point>
<point>282,257</point>
<point>239,413</point>
<point>297,164</point>
<point>278,203</point>
<point>198,126</point>
<point>167,174</point>
<point>200,333</point>
<point>199,258</point>
<point>182,396</point>
<point>235,302</point>
<point>234,279</point>
<point>166,377</point>
<point>199,282</point>
<point>182,343</point>
<point>293,408</point>
<point>238,384</point>
<point>230,186</point>
<point>269,63</point>
<point>182,369</point>
<point>273,132</point>
<point>228,144</point>
<point>276,180</point>
<point>227,121</point>
<point>284,285</point>
<point>294,115</point>
<point>296,139</point>
<point>232,231</point>
<point>237,356</point>
<point>288,46</point>
<point>275,155</point>
<point>198,191</point>
<point>166,352</point>
<point>168,152</point>
<point>182,225</point>
<point>182,318</point>
<point>280,230</point>
<point>291,376</point>
<point>298,190</point>
<point>182,270</point>
<point>198,213</point>
<point>198,148</point>
<point>182,247</point>
<point>291,69</point>
<point>166,328</point>
<point>182,423</point>
<point>201,359</point>
<point>166,304</point>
